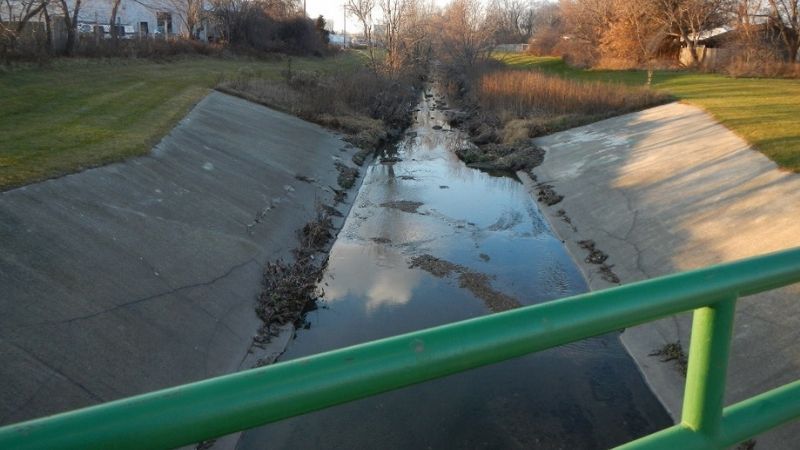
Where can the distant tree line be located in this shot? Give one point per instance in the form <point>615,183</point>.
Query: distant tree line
<point>640,32</point>
<point>27,27</point>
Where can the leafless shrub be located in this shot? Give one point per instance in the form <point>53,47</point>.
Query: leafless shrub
<point>577,53</point>
<point>258,25</point>
<point>466,37</point>
<point>544,42</point>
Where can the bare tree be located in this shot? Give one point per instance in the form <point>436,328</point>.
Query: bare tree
<point>547,28</point>
<point>635,34</point>
<point>585,23</point>
<point>786,16</point>
<point>404,31</point>
<point>687,19</point>
<point>513,20</point>
<point>418,33</point>
<point>15,15</point>
<point>750,39</point>
<point>281,9</point>
<point>70,23</point>
<point>189,14</point>
<point>7,34</point>
<point>640,28</point>
<point>465,37</point>
<point>231,16</point>
<point>362,10</point>
<point>394,14</point>
<point>587,20</point>
<point>20,12</point>
<point>113,20</point>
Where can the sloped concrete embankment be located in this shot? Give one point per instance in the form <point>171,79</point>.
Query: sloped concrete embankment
<point>143,274</point>
<point>667,190</point>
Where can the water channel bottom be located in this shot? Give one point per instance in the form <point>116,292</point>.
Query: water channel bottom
<point>478,229</point>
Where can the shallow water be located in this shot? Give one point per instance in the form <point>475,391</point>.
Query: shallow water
<point>584,395</point>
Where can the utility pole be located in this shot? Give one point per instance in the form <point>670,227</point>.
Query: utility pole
<point>344,17</point>
<point>305,14</point>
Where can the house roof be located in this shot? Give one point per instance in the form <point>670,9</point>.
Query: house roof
<point>708,34</point>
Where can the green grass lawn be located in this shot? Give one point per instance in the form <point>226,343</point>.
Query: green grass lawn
<point>78,113</point>
<point>764,111</point>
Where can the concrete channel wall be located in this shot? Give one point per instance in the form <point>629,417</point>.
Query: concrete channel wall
<point>669,189</point>
<point>143,274</point>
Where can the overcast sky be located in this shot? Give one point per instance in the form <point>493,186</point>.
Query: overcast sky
<point>334,10</point>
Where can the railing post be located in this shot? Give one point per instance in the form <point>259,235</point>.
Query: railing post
<point>704,394</point>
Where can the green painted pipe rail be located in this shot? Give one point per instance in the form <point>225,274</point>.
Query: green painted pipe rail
<point>215,407</point>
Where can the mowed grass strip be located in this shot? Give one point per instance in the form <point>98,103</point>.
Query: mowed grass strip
<point>77,113</point>
<point>764,111</point>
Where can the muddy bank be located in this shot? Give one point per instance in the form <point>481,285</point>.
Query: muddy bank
<point>488,147</point>
<point>488,150</point>
<point>142,275</point>
<point>492,145</point>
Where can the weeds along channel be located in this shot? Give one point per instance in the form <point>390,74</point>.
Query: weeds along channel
<point>502,109</point>
<point>373,109</point>
<point>370,107</point>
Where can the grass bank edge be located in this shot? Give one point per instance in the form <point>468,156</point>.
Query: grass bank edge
<point>77,114</point>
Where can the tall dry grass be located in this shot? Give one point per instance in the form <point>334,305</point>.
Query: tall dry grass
<point>527,93</point>
<point>371,108</point>
<point>312,94</point>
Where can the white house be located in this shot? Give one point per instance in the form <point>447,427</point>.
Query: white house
<point>143,18</point>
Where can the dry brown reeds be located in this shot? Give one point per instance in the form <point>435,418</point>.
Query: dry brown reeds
<point>526,93</point>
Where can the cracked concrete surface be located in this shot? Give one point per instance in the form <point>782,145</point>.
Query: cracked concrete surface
<point>667,190</point>
<point>143,274</point>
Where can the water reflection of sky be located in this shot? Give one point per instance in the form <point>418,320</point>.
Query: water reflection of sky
<point>382,282</point>
<point>488,223</point>
<point>583,395</point>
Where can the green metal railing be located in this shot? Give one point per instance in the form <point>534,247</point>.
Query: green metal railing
<point>219,406</point>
